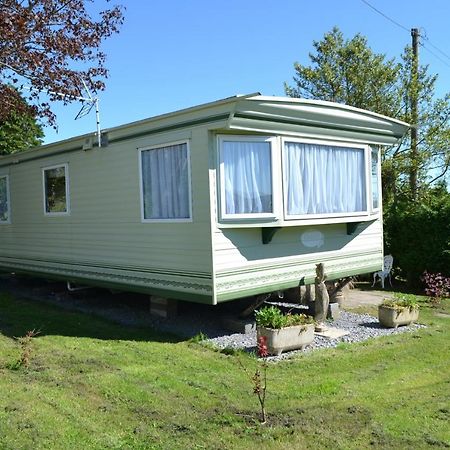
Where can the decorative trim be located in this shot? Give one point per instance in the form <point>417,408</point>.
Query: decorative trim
<point>168,282</point>
<point>298,272</point>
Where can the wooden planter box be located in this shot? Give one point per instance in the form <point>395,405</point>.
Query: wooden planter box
<point>392,318</point>
<point>289,338</point>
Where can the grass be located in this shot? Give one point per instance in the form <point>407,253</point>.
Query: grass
<point>93,384</point>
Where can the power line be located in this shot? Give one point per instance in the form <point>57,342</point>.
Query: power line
<point>443,61</point>
<point>424,36</point>
<point>385,16</point>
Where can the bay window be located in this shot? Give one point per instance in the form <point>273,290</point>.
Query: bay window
<point>246,172</point>
<point>310,180</point>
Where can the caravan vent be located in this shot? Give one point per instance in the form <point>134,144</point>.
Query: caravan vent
<point>88,143</point>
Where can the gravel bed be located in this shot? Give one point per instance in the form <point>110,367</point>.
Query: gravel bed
<point>360,326</point>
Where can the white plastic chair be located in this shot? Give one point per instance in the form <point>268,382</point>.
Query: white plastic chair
<point>386,272</point>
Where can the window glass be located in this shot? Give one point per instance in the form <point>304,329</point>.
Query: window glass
<point>4,200</point>
<point>247,177</point>
<point>375,180</point>
<point>165,182</point>
<point>323,179</point>
<point>55,185</point>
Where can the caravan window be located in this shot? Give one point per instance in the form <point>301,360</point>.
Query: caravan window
<point>165,183</point>
<point>4,199</point>
<point>375,174</point>
<point>56,190</point>
<point>323,180</point>
<point>246,177</point>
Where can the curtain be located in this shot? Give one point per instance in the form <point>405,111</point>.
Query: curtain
<point>321,179</point>
<point>247,172</point>
<point>165,182</point>
<point>375,190</point>
<point>3,199</point>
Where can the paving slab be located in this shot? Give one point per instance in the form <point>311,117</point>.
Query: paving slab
<point>360,297</point>
<point>332,333</point>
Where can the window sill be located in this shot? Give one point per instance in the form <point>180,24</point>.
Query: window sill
<point>274,222</point>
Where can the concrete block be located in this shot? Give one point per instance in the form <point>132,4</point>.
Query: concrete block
<point>334,311</point>
<point>237,325</point>
<point>163,307</point>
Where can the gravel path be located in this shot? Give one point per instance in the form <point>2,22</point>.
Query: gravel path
<point>360,326</point>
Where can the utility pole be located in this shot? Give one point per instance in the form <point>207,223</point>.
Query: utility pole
<point>414,98</point>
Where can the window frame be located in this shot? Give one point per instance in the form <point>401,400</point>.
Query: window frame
<point>44,190</point>
<point>275,166</point>
<point>354,145</point>
<point>377,149</point>
<point>141,181</point>
<point>8,201</point>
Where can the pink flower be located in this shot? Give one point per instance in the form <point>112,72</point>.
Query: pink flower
<point>262,347</point>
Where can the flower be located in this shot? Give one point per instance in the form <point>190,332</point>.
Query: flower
<point>262,347</point>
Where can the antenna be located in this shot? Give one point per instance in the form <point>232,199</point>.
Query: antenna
<point>88,103</point>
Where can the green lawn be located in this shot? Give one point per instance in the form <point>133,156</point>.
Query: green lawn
<point>92,384</point>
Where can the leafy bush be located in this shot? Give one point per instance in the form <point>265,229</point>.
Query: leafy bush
<point>401,301</point>
<point>436,285</point>
<point>418,235</point>
<point>272,317</point>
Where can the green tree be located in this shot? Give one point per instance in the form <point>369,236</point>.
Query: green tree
<point>19,130</point>
<point>416,200</point>
<point>348,71</point>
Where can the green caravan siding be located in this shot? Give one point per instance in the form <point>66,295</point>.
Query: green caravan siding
<point>103,240</point>
<point>244,266</point>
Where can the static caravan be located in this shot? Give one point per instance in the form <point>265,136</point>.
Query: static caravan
<point>221,201</point>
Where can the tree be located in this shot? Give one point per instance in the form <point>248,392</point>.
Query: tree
<point>348,71</point>
<point>19,130</point>
<point>416,200</point>
<point>51,45</point>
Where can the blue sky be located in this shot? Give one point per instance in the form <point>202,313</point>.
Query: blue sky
<point>174,54</point>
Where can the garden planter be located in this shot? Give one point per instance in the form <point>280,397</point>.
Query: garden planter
<point>393,317</point>
<point>288,338</point>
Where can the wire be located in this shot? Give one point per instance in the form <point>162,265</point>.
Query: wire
<point>423,35</point>
<point>385,16</point>
<point>443,61</point>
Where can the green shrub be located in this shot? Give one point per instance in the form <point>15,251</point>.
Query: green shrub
<point>401,301</point>
<point>418,235</point>
<point>272,317</point>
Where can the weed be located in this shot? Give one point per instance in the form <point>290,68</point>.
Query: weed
<point>25,350</point>
<point>199,338</point>
<point>259,381</point>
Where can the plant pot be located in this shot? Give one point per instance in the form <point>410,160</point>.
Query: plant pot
<point>393,317</point>
<point>289,338</point>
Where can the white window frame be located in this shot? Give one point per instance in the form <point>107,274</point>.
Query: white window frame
<point>365,148</point>
<point>378,150</point>
<point>44,191</point>
<point>8,200</point>
<point>275,166</point>
<point>141,182</point>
